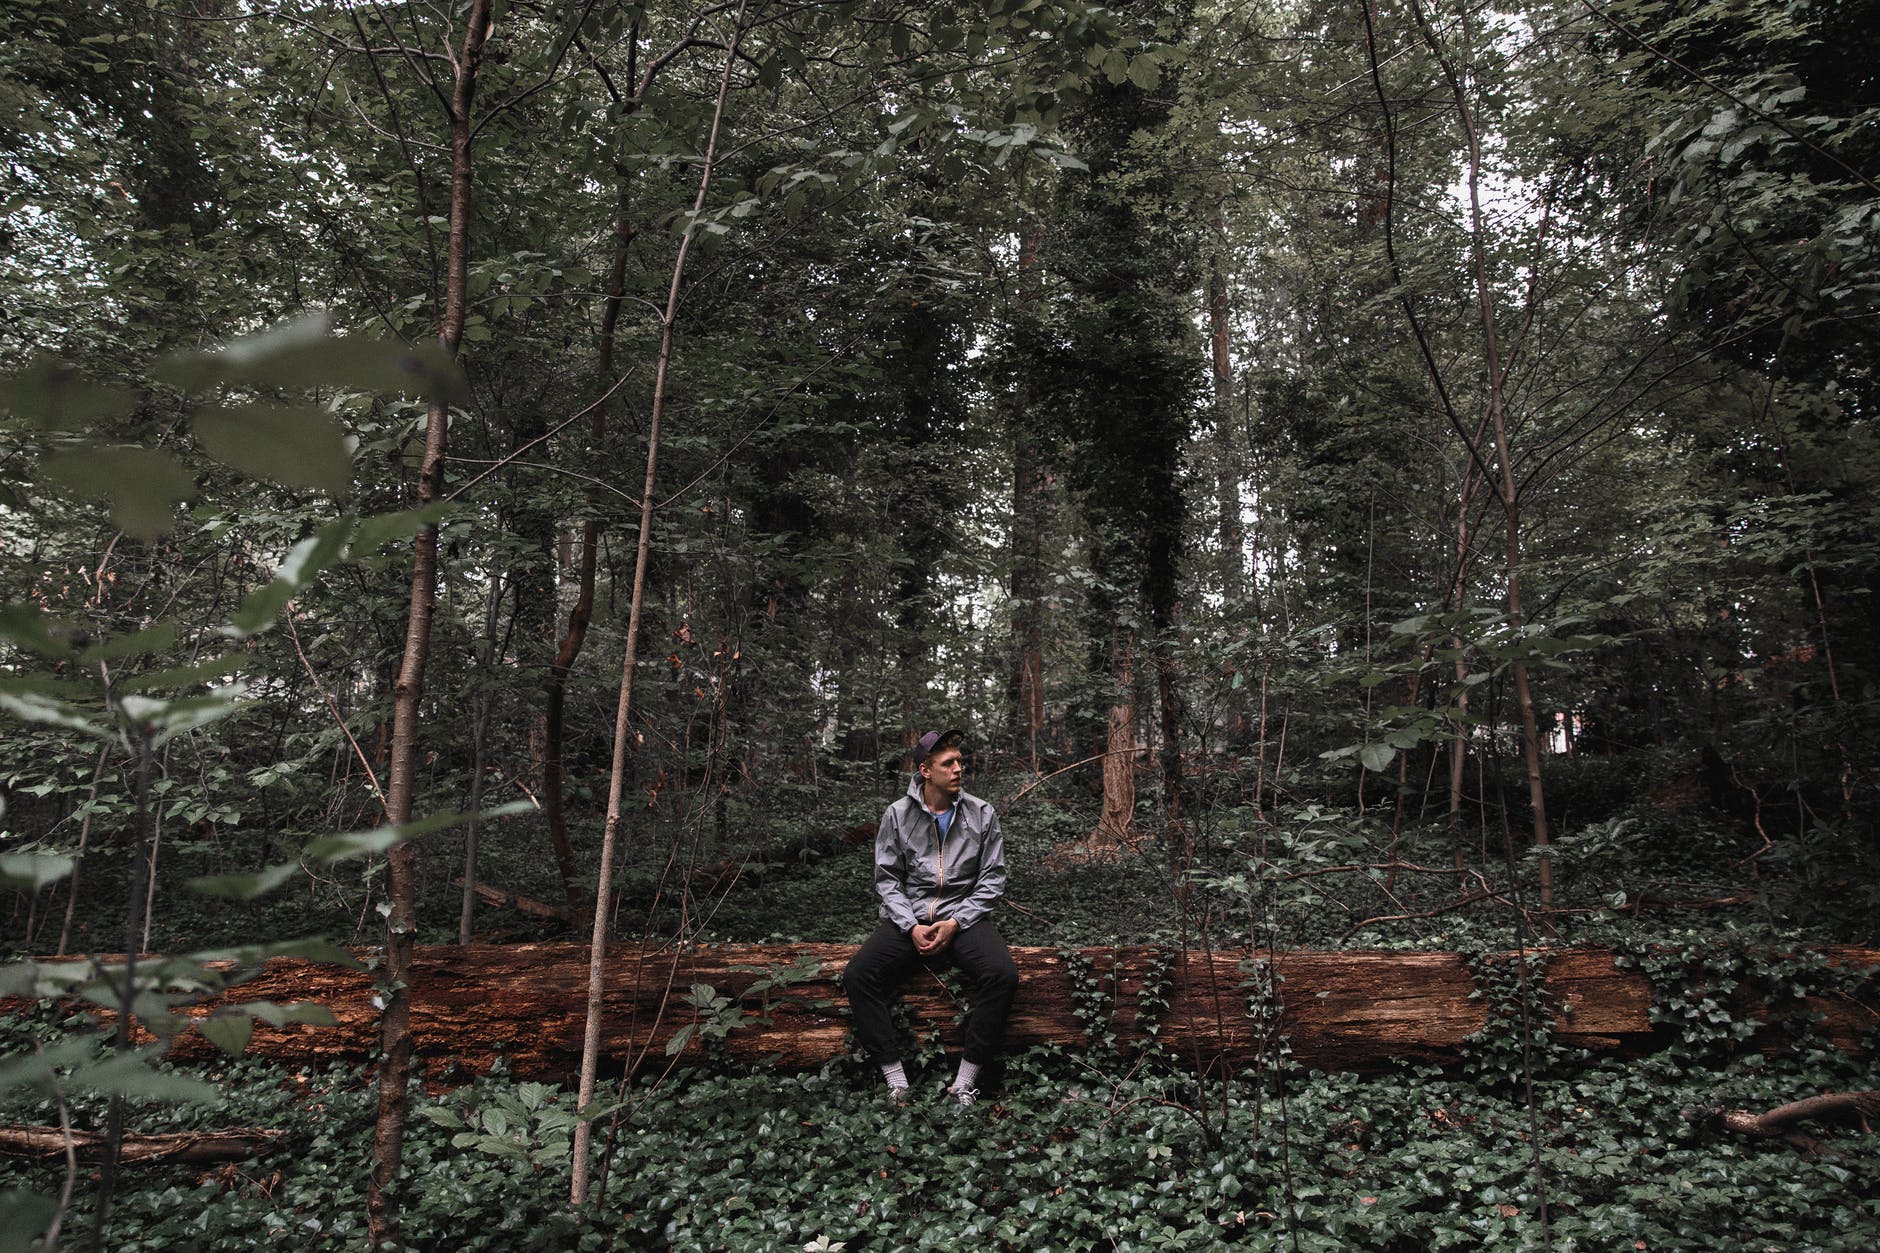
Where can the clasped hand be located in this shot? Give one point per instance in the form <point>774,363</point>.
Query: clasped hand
<point>934,938</point>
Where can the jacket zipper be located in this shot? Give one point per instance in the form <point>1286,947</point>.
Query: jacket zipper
<point>940,865</point>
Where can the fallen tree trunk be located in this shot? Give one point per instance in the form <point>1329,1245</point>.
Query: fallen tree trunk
<point>1358,1011</point>
<point>1845,1109</point>
<point>194,1148</point>
<point>502,898</point>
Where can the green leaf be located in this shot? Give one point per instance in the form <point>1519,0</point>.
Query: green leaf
<point>33,980</point>
<point>304,563</point>
<point>163,719</point>
<point>50,395</point>
<point>152,639</point>
<point>24,1217</point>
<point>228,1032</point>
<point>36,707</point>
<point>332,848</point>
<point>29,627</point>
<point>245,887</point>
<point>382,528</point>
<point>313,949</point>
<point>1144,72</point>
<point>135,1075</point>
<point>1376,756</point>
<point>312,556</point>
<point>41,1069</point>
<point>303,354</point>
<point>28,872</point>
<point>307,1013</point>
<point>299,446</point>
<point>141,485</point>
<point>185,676</point>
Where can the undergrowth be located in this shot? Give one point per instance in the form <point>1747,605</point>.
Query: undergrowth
<point>1065,1156</point>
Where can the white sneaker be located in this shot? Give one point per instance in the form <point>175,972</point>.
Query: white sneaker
<point>965,1098</point>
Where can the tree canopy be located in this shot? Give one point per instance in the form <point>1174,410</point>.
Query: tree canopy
<point>1372,435</point>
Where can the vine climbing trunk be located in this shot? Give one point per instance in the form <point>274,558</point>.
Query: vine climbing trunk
<point>394,1078</point>
<point>1118,820</point>
<point>1031,504</point>
<point>623,728</point>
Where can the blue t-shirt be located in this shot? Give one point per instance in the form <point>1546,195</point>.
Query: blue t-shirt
<point>946,819</point>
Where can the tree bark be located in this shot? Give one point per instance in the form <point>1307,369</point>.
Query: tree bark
<point>479,740</point>
<point>623,729</point>
<point>1350,1010</point>
<point>190,1148</point>
<point>501,898</point>
<point>1850,1109</point>
<point>401,862</point>
<point>1117,822</point>
<point>1031,504</point>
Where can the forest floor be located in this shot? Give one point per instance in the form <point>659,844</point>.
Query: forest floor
<point>1068,1152</point>
<point>1519,1148</point>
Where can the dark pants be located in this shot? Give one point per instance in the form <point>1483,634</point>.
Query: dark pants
<point>874,976</point>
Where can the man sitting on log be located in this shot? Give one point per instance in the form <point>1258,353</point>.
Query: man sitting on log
<point>939,866</point>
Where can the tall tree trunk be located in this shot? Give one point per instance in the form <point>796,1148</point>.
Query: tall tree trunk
<point>1031,504</point>
<point>1118,820</point>
<point>479,748</point>
<point>1498,425</point>
<point>555,695</point>
<point>623,729</point>
<point>401,863</point>
<point>1236,585</point>
<point>1455,596</point>
<point>143,820</point>
<point>531,577</point>
<point>1161,592</point>
<point>1226,464</point>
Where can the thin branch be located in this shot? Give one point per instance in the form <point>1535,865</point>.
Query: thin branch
<point>333,707</point>
<point>589,479</point>
<point>517,452</point>
<point>1390,248</point>
<point>1473,898</point>
<point>1117,752</point>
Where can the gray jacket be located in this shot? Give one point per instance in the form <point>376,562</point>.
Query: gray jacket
<point>922,878</point>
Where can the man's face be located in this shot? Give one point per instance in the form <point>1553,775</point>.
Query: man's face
<point>945,770</point>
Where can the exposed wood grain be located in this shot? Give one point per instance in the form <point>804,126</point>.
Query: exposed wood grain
<point>1359,1011</point>
<point>189,1147</point>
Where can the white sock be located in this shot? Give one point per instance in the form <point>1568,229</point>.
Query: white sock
<point>896,1077</point>
<point>968,1076</point>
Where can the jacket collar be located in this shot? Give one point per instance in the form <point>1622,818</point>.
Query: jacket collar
<point>914,793</point>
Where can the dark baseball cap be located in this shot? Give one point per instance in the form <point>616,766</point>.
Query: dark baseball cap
<point>923,747</point>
